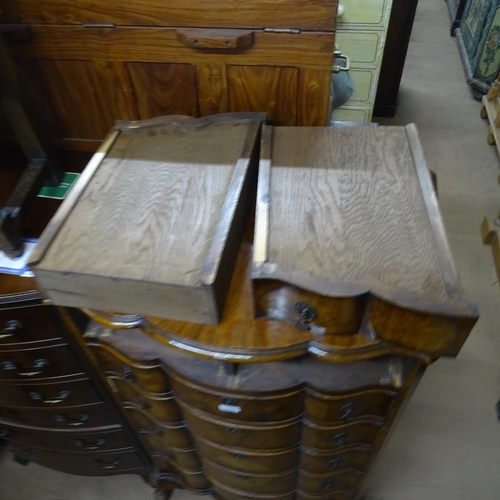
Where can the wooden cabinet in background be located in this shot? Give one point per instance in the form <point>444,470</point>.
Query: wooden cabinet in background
<point>98,62</point>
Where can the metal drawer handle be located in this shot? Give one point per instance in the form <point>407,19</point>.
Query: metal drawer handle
<point>338,69</point>
<point>4,433</point>
<point>347,410</point>
<point>73,422</point>
<point>10,328</point>
<point>63,396</point>
<point>103,465</point>
<point>226,400</point>
<point>128,373</point>
<point>234,430</point>
<point>328,485</point>
<point>334,463</point>
<point>84,445</point>
<point>36,369</point>
<point>340,439</point>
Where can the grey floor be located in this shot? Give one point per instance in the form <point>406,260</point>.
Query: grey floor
<point>447,444</point>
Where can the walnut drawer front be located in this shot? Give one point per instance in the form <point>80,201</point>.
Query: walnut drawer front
<point>226,493</point>
<point>317,461</point>
<point>331,438</point>
<point>322,483</point>
<point>75,442</point>
<point>272,408</point>
<point>93,415</point>
<point>147,376</point>
<point>248,461</point>
<point>160,407</point>
<point>40,363</point>
<point>263,437</point>
<point>256,483</point>
<point>49,395</point>
<point>25,324</point>
<point>158,434</point>
<point>79,463</point>
<point>370,404</point>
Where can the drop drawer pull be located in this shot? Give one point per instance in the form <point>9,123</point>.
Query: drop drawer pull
<point>340,439</point>
<point>328,485</point>
<point>10,328</point>
<point>73,422</point>
<point>103,465</point>
<point>347,410</point>
<point>36,369</point>
<point>84,445</point>
<point>37,396</point>
<point>334,463</point>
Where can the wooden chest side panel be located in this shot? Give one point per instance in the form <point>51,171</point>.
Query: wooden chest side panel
<point>209,13</point>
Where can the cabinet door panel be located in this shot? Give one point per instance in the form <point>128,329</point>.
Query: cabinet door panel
<point>264,88</point>
<point>86,97</point>
<point>164,89</point>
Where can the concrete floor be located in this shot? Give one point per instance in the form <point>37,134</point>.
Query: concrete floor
<point>447,444</point>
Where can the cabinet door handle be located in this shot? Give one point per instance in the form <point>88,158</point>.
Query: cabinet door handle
<point>221,39</point>
<point>10,328</point>
<point>84,445</point>
<point>37,396</point>
<point>73,422</point>
<point>36,369</point>
<point>104,465</point>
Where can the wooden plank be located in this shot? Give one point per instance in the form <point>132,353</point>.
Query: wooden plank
<point>209,13</point>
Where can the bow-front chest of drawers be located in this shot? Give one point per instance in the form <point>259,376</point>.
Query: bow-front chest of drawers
<point>271,362</point>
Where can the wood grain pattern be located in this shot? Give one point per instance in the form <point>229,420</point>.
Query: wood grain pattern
<point>158,213</point>
<point>320,15</point>
<point>212,89</point>
<point>313,97</point>
<point>266,89</point>
<point>362,245</point>
<point>164,89</point>
<point>80,111</point>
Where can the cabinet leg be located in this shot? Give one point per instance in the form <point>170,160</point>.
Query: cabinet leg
<point>162,494</point>
<point>483,113</point>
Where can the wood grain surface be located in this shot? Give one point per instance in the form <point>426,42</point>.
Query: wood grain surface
<point>150,218</point>
<point>318,15</point>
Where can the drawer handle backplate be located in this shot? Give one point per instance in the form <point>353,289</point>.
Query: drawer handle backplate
<point>73,422</point>
<point>334,463</point>
<point>347,410</point>
<point>84,445</point>
<point>10,328</point>
<point>37,396</point>
<point>340,439</point>
<point>36,369</point>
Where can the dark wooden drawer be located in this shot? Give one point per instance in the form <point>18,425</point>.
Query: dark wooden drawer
<point>226,493</point>
<point>161,407</point>
<point>263,437</point>
<point>78,441</point>
<point>246,460</point>
<point>271,408</point>
<point>98,414</point>
<point>41,363</point>
<point>79,463</point>
<point>257,483</point>
<point>324,483</point>
<point>25,324</point>
<point>316,461</point>
<point>146,375</point>
<point>49,395</point>
<point>331,438</point>
<point>373,403</point>
<point>159,435</point>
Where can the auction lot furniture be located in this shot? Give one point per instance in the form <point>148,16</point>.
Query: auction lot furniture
<point>270,365</point>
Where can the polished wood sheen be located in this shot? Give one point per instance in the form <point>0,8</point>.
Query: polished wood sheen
<point>152,225</point>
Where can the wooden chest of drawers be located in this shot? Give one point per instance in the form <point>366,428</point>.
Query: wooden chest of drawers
<point>342,292</point>
<point>97,62</point>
